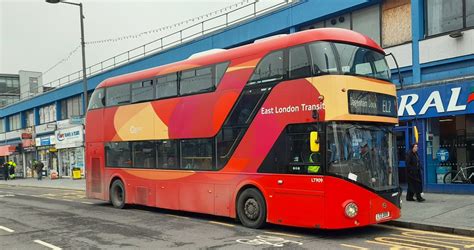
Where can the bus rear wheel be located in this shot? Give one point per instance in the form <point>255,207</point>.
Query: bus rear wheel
<point>251,208</point>
<point>117,194</point>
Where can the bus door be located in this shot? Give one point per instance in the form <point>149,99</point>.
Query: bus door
<point>298,190</point>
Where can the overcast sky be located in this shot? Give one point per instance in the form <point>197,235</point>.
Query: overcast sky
<point>36,35</point>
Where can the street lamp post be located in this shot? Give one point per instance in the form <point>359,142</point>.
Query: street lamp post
<point>83,46</point>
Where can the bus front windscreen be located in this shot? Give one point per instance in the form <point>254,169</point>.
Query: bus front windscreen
<point>363,153</point>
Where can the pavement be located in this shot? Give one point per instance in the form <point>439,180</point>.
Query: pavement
<point>446,213</point>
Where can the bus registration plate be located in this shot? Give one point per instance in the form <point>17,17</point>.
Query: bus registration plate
<point>381,216</point>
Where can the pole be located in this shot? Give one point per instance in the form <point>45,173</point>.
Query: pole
<point>84,73</point>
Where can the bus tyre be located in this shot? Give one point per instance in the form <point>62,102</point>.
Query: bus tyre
<point>251,208</point>
<point>117,194</point>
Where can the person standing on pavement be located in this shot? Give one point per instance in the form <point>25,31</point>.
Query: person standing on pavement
<point>5,171</point>
<point>38,166</point>
<point>415,185</point>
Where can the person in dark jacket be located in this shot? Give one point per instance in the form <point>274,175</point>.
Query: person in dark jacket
<point>415,185</point>
<point>5,171</point>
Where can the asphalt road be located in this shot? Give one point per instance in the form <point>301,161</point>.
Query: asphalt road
<point>39,218</point>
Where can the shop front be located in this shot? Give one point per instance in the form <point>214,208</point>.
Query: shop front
<point>444,116</point>
<point>70,145</point>
<point>47,153</point>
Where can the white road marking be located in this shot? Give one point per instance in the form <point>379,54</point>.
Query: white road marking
<point>283,234</point>
<point>85,202</point>
<point>47,244</point>
<point>7,229</point>
<point>352,246</point>
<point>220,223</point>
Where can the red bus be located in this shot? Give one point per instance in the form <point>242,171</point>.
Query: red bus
<point>293,129</point>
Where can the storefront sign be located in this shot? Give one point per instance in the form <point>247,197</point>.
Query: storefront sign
<point>45,128</point>
<point>45,141</point>
<point>12,135</point>
<point>70,137</point>
<point>442,100</point>
<point>76,120</point>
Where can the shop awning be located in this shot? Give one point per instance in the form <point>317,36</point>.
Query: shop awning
<point>7,150</point>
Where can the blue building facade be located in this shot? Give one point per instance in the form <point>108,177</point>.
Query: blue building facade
<point>433,41</point>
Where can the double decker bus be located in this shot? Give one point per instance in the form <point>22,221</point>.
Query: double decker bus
<point>294,130</point>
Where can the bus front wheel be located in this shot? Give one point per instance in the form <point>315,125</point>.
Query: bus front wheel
<point>251,208</point>
<point>117,194</point>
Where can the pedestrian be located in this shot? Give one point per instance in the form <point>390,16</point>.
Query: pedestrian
<point>415,185</point>
<point>5,171</point>
<point>38,166</point>
<point>11,171</point>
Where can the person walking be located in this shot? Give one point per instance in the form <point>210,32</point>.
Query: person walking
<point>38,166</point>
<point>5,171</point>
<point>415,185</point>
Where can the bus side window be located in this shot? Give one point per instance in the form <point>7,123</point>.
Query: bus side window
<point>299,65</point>
<point>166,86</point>
<point>167,154</point>
<point>270,68</point>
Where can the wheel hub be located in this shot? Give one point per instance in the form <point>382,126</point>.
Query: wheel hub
<point>251,209</point>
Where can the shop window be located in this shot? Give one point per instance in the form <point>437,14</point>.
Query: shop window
<point>118,154</point>
<point>47,113</point>
<point>71,107</point>
<point>142,91</point>
<point>117,95</point>
<point>445,16</point>
<point>15,122</point>
<point>97,99</point>
<point>269,69</point>
<point>469,13</point>
<point>167,153</point>
<point>167,86</point>
<point>450,147</point>
<point>367,22</point>
<point>144,154</point>
<point>299,62</point>
<point>197,154</point>
<point>2,125</point>
<point>30,118</point>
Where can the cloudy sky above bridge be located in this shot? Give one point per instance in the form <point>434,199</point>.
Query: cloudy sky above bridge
<point>36,35</point>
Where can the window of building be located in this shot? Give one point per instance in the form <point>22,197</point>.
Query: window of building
<point>396,22</point>
<point>167,153</point>
<point>446,16</point>
<point>299,62</point>
<point>117,95</point>
<point>167,86</point>
<point>2,125</point>
<point>269,69</point>
<point>47,113</point>
<point>142,91</point>
<point>196,80</point>
<point>15,122</point>
<point>118,154</point>
<point>144,154</point>
<point>324,61</point>
<point>197,154</point>
<point>97,99</point>
<point>30,118</point>
<point>71,107</point>
<point>450,147</point>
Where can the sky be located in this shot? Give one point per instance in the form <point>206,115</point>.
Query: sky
<point>35,35</point>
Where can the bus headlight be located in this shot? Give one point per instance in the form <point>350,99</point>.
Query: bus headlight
<point>351,210</point>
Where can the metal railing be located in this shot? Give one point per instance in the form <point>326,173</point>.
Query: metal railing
<point>179,37</point>
<point>243,13</point>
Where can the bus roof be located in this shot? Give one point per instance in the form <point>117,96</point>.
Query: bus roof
<point>262,46</point>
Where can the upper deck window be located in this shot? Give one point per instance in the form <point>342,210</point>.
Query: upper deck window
<point>117,95</point>
<point>361,61</point>
<point>142,91</point>
<point>196,80</point>
<point>97,99</point>
<point>167,86</point>
<point>299,62</point>
<point>324,60</point>
<point>269,69</point>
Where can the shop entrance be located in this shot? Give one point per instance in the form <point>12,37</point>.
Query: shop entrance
<point>405,137</point>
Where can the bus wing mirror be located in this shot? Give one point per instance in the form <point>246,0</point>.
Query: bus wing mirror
<point>314,141</point>
<point>415,132</point>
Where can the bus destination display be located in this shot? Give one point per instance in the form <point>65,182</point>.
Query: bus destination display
<point>370,103</point>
